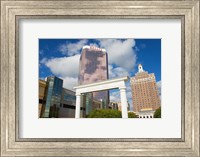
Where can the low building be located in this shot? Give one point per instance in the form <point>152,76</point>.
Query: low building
<point>146,113</point>
<point>118,106</point>
<point>97,104</point>
<point>114,105</point>
<point>56,101</point>
<point>67,104</point>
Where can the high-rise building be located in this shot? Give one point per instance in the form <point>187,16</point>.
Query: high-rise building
<point>93,67</point>
<point>144,91</point>
<point>53,97</point>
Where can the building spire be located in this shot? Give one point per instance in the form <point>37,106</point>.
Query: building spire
<point>140,68</point>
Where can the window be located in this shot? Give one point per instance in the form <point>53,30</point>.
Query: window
<point>69,97</point>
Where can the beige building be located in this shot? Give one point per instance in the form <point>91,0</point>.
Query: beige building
<point>144,90</point>
<point>42,98</point>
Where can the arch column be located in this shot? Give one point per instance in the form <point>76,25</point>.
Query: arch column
<point>100,86</point>
<point>123,102</point>
<point>78,105</point>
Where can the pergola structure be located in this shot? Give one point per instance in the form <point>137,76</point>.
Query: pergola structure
<point>100,86</point>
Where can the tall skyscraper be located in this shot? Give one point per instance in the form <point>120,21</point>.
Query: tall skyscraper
<point>53,97</point>
<point>93,67</point>
<point>144,90</point>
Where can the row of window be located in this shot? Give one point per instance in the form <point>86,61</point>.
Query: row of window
<point>146,117</point>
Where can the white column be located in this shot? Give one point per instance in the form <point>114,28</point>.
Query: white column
<point>123,102</point>
<point>78,105</point>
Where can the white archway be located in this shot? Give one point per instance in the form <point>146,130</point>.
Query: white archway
<point>103,85</point>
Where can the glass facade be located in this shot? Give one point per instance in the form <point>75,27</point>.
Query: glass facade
<point>88,102</point>
<point>67,106</point>
<point>93,67</point>
<point>68,97</point>
<point>53,97</point>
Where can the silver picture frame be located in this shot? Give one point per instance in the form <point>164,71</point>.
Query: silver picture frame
<point>13,11</point>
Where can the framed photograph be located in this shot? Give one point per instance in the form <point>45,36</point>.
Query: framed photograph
<point>100,78</point>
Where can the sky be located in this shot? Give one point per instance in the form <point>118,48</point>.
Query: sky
<point>60,57</point>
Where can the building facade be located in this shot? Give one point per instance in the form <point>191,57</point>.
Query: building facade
<point>53,97</point>
<point>118,106</point>
<point>146,113</point>
<point>144,91</point>
<point>114,105</point>
<point>93,67</point>
<point>42,97</point>
<point>67,104</point>
<point>56,101</point>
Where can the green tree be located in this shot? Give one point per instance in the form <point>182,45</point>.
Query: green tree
<point>157,113</point>
<point>108,113</point>
<point>105,113</point>
<point>132,115</point>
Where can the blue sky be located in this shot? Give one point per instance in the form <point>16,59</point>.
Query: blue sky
<point>60,57</point>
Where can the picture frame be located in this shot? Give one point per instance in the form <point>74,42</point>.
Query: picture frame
<point>12,11</point>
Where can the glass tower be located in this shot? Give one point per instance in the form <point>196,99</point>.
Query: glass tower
<point>93,67</point>
<point>53,97</point>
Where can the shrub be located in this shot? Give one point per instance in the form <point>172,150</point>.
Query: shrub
<point>132,115</point>
<point>108,113</point>
<point>105,113</point>
<point>157,113</point>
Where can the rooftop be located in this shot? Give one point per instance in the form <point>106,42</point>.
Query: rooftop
<point>93,48</point>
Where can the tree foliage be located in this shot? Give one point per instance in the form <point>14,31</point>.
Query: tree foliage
<point>157,113</point>
<point>132,115</point>
<point>108,113</point>
<point>105,113</point>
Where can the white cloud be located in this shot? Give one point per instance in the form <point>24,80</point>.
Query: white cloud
<point>117,72</point>
<point>120,52</point>
<point>128,91</point>
<point>65,66</point>
<point>70,82</point>
<point>71,49</point>
<point>115,96</point>
<point>43,60</point>
<point>94,44</point>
